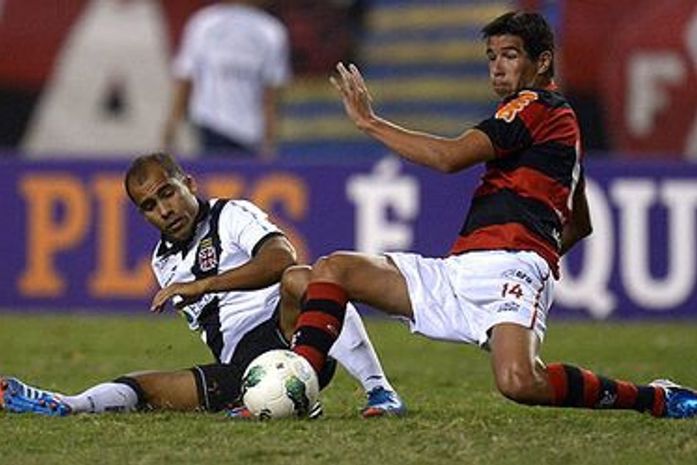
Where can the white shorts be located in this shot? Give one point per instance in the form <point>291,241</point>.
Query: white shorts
<point>461,297</point>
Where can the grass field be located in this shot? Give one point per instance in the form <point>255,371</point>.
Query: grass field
<point>455,415</point>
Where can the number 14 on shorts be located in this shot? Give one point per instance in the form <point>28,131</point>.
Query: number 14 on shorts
<point>513,289</point>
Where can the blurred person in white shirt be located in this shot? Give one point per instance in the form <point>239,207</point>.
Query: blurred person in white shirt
<point>232,63</point>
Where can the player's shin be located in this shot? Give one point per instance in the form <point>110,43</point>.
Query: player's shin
<point>354,351</point>
<point>576,387</point>
<point>320,322</point>
<point>116,396</point>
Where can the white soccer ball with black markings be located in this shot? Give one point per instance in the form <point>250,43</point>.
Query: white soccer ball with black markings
<point>279,384</point>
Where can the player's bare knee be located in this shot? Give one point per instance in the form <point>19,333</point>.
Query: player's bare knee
<point>331,268</point>
<point>294,281</point>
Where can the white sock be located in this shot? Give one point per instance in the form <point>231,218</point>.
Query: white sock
<point>105,397</point>
<point>354,351</point>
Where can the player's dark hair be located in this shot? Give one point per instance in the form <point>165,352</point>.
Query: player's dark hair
<point>532,28</point>
<point>139,164</point>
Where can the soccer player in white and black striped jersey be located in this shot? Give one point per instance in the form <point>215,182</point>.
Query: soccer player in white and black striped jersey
<point>221,263</point>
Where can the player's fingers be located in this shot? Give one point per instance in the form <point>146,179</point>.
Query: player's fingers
<point>348,82</point>
<point>343,72</point>
<point>159,300</point>
<point>355,73</point>
<point>155,306</point>
<point>360,82</point>
<point>154,301</point>
<point>359,92</point>
<point>336,84</point>
<point>341,83</point>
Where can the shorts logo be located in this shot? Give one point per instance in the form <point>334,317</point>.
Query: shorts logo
<point>508,307</point>
<point>509,111</point>
<point>207,258</point>
<point>518,275</point>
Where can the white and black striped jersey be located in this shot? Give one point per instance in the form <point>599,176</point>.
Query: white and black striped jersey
<point>227,235</point>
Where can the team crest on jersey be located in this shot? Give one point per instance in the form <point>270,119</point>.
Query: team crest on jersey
<point>509,111</point>
<point>207,258</point>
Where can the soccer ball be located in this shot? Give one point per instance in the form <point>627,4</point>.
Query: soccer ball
<point>279,384</point>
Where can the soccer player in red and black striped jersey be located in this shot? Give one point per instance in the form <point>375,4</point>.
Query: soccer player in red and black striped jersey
<point>495,287</point>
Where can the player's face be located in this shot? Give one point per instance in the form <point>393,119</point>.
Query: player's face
<point>510,67</point>
<point>167,203</point>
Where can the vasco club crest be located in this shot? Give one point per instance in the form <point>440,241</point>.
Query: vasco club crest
<point>207,258</point>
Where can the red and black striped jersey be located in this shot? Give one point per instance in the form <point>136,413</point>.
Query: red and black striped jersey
<point>524,198</point>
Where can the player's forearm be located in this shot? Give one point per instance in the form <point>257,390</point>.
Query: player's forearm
<point>580,224</point>
<point>569,238</point>
<point>255,274</point>
<point>447,155</point>
<point>573,233</point>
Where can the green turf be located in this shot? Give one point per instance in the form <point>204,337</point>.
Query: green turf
<point>455,415</point>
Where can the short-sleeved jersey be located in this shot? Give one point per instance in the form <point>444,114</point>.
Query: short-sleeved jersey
<point>525,195</point>
<point>231,53</point>
<point>227,235</point>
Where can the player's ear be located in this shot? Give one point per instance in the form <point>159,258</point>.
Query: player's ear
<point>544,62</point>
<point>191,183</point>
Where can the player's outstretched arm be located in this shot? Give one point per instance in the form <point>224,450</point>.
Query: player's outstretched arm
<point>264,269</point>
<point>440,153</point>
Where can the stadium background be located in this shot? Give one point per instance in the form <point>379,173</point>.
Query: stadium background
<point>84,85</point>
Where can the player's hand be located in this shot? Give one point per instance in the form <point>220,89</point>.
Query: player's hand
<point>189,292</point>
<point>354,94</point>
